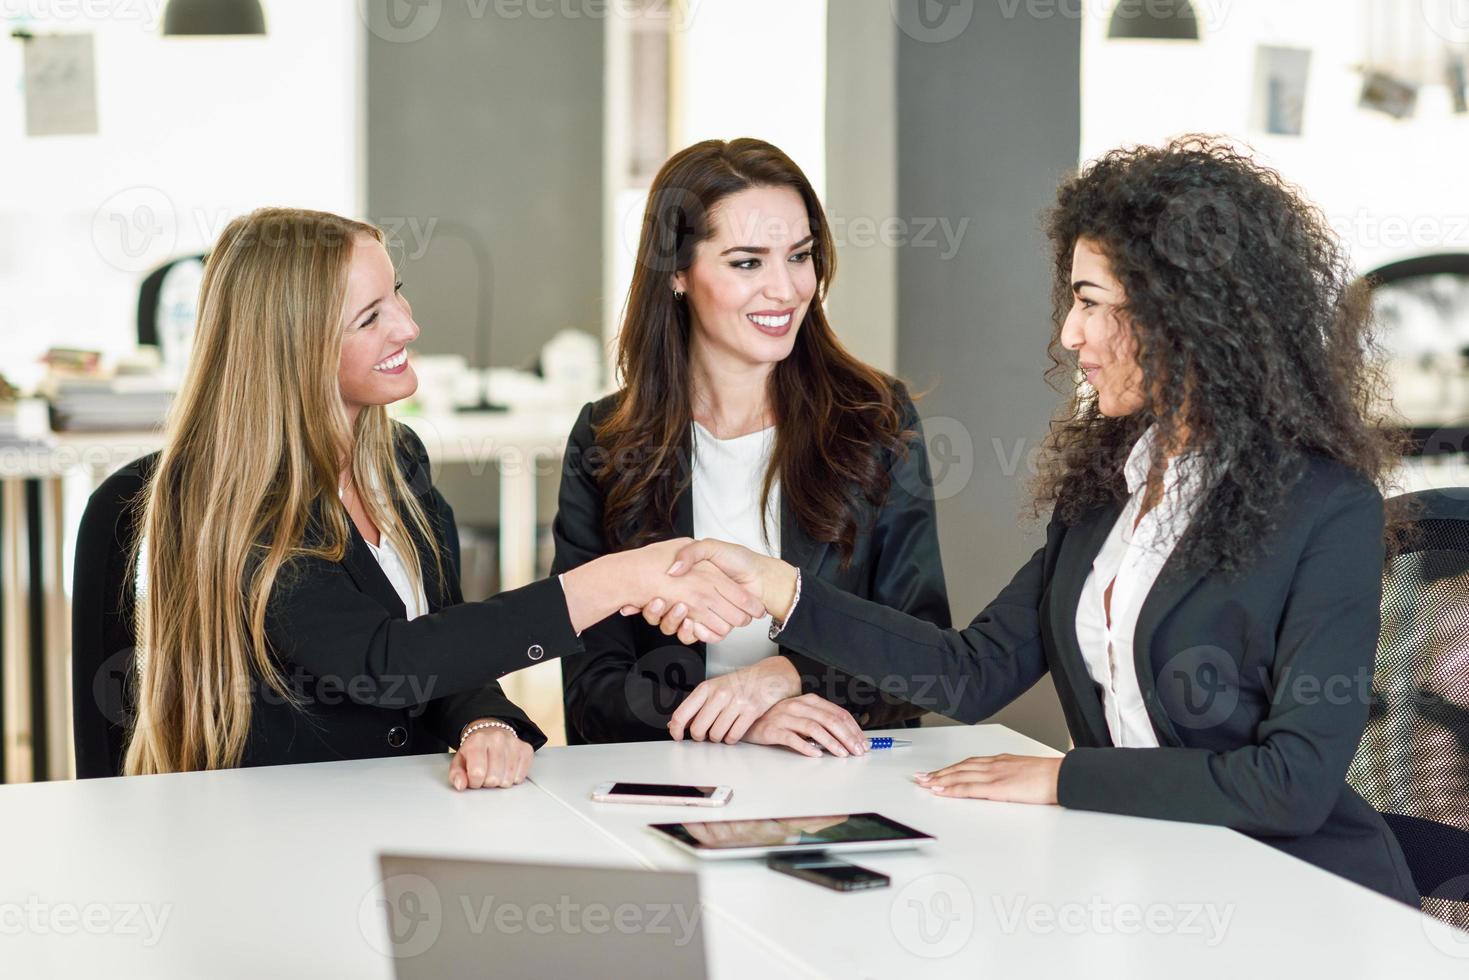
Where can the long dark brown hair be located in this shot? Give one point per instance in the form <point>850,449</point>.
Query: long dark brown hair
<point>832,412</point>
<point>1237,288</point>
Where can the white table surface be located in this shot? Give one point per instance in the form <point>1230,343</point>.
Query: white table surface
<point>268,872</point>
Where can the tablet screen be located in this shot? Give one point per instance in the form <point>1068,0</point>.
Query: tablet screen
<point>795,832</point>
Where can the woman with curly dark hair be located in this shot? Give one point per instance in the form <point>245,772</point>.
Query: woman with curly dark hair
<point>1207,597</point>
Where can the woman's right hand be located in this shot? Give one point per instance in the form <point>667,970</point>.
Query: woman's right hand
<point>710,602</point>
<point>799,721</point>
<point>771,581</point>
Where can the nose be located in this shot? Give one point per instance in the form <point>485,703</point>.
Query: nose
<point>405,328</point>
<point>1072,335</point>
<point>780,285</point>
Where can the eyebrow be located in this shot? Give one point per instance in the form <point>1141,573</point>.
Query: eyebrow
<point>1078,285</point>
<point>762,250</point>
<point>365,309</point>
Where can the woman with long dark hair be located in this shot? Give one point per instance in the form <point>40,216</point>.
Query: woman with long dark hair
<point>1207,597</point>
<point>742,416</point>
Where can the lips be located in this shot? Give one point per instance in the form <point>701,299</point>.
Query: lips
<point>394,363</point>
<point>773,323</point>
<point>1090,371</point>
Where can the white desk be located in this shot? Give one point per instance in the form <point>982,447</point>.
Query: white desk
<point>266,872</point>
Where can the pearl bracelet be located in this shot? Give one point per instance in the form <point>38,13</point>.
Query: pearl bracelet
<point>480,726</point>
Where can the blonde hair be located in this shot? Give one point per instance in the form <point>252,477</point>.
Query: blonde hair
<point>248,481</point>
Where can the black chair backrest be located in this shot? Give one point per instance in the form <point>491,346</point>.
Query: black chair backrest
<point>102,642</point>
<point>150,292</point>
<point>1413,760</point>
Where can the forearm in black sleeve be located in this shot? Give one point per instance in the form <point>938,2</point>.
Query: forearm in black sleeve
<point>966,674</point>
<point>319,620</point>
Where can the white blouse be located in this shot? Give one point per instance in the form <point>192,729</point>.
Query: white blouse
<point>1131,560</point>
<point>727,478</point>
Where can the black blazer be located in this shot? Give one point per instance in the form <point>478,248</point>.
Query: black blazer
<point>633,677</point>
<point>1257,686</point>
<point>376,684</point>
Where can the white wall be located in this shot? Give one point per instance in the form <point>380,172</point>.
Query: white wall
<point>192,131</point>
<point>757,68</point>
<point>742,68</point>
<point>1391,188</point>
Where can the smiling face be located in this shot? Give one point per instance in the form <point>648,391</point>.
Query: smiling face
<point>1103,340</point>
<point>377,329</point>
<point>751,282</point>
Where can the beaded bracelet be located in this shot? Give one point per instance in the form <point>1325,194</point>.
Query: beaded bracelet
<point>479,726</point>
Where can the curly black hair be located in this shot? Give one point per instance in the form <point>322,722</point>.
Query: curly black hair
<point>1253,336</point>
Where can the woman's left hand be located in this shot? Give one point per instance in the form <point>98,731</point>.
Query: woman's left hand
<point>490,757</point>
<point>1008,778</point>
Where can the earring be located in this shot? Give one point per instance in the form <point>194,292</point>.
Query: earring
<point>678,294</point>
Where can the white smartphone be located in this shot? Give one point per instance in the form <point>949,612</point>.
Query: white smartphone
<point>662,794</point>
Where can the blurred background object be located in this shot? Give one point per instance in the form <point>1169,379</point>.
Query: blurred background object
<point>506,150</point>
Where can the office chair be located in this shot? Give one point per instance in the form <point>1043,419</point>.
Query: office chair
<point>1413,760</point>
<point>102,641</point>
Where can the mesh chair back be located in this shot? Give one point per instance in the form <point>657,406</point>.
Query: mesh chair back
<point>1413,760</point>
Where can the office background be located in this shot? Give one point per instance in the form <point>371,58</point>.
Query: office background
<point>505,146</point>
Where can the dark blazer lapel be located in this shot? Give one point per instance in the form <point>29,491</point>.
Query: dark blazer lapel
<point>1079,548</point>
<point>1168,591</point>
<point>368,575</point>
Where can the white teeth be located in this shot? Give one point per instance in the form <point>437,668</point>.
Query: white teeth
<point>395,361</point>
<point>771,321</point>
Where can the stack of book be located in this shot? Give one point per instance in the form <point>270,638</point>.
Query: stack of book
<point>116,404</point>
<point>23,426</point>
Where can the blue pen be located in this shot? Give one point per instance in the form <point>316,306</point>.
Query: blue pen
<point>887,742</point>
<point>876,742</point>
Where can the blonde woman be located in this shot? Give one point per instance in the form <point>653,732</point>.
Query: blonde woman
<point>298,604</point>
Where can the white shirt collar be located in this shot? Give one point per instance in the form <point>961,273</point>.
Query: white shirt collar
<point>1187,472</point>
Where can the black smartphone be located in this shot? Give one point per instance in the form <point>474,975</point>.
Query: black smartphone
<point>827,871</point>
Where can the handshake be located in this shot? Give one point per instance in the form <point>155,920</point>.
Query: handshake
<point>700,590</point>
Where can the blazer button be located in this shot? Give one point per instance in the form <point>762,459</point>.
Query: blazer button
<point>536,652</point>
<point>397,736</point>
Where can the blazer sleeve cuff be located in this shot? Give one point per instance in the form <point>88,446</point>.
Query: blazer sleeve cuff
<point>545,629</point>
